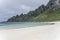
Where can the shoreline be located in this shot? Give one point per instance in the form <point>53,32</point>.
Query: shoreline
<point>48,23</point>
<point>47,32</point>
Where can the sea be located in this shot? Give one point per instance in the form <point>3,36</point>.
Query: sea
<point>21,24</point>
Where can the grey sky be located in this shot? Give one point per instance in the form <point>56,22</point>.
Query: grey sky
<point>9,8</point>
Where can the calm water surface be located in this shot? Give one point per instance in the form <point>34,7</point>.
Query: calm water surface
<point>21,24</point>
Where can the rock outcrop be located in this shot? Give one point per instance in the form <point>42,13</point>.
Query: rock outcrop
<point>53,4</point>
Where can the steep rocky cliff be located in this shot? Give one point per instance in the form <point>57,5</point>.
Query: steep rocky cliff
<point>53,4</point>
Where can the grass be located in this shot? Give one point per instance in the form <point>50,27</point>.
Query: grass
<point>49,15</point>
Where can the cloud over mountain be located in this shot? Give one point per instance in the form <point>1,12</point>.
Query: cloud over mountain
<point>9,8</point>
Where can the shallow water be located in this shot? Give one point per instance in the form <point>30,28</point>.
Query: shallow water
<point>21,24</point>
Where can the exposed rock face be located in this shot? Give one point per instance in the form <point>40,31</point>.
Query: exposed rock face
<point>53,4</point>
<point>57,3</point>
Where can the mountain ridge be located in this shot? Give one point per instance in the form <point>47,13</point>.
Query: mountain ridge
<point>32,15</point>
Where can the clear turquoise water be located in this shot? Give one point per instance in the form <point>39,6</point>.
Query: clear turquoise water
<point>21,24</point>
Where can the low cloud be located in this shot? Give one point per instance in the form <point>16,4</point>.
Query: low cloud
<point>9,8</point>
<point>25,7</point>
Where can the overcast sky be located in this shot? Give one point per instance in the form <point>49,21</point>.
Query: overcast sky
<point>9,8</point>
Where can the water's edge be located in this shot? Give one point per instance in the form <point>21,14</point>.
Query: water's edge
<point>12,25</point>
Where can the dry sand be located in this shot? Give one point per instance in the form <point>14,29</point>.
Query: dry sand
<point>46,32</point>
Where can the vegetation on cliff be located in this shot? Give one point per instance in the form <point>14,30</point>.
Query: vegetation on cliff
<point>42,13</point>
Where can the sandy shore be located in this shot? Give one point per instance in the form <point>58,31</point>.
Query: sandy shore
<point>46,32</point>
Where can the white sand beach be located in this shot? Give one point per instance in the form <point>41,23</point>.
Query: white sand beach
<point>46,32</point>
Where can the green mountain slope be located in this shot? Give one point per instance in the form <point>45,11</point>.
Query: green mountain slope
<point>49,15</point>
<point>29,16</point>
<point>49,12</point>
